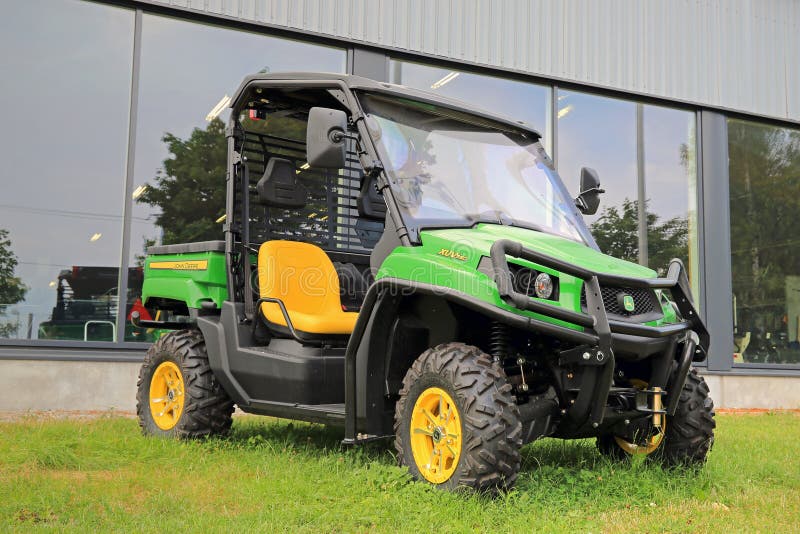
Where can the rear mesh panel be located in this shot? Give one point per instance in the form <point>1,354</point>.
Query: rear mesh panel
<point>329,216</point>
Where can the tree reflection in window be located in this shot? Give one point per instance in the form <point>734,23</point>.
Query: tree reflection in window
<point>12,290</point>
<point>617,234</point>
<point>765,247</point>
<point>190,188</point>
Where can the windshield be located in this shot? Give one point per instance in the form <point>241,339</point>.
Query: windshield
<point>452,169</point>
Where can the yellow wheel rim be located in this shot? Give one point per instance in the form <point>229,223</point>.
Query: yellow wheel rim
<point>436,435</point>
<point>651,443</point>
<point>166,395</point>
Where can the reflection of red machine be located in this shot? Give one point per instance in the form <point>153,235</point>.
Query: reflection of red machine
<point>86,304</point>
<point>139,307</point>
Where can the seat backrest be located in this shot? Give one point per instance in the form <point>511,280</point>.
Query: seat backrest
<point>278,187</point>
<point>354,283</point>
<point>371,213</point>
<point>370,202</point>
<point>301,275</point>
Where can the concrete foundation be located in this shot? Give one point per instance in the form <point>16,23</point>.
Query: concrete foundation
<point>760,392</point>
<point>67,385</point>
<point>83,386</point>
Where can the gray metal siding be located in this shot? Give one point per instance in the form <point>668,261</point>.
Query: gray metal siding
<point>742,55</point>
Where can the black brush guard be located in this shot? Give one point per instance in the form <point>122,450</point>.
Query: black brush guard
<point>599,330</point>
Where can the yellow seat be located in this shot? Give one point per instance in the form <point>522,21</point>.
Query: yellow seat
<point>303,277</point>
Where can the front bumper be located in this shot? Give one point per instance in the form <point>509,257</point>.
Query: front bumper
<point>599,329</point>
<point>601,335</point>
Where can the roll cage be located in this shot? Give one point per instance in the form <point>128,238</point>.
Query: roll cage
<point>366,152</point>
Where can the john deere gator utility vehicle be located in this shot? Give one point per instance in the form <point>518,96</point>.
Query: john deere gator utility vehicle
<point>404,265</point>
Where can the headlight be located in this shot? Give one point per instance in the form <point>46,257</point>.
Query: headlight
<point>527,281</point>
<point>543,286</point>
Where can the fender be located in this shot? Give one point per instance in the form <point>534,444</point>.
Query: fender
<point>368,355</point>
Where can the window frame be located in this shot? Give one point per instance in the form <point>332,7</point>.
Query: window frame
<point>373,61</point>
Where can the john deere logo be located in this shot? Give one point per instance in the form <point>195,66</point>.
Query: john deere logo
<point>627,303</point>
<point>197,265</point>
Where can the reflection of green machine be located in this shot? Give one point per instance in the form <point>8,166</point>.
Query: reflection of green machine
<point>406,266</point>
<point>86,305</point>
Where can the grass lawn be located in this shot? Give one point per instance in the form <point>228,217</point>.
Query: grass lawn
<point>273,475</point>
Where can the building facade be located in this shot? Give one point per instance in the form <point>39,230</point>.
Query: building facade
<point>689,111</point>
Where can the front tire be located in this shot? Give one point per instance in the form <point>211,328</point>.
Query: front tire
<point>177,393</point>
<point>456,422</point>
<point>688,435</point>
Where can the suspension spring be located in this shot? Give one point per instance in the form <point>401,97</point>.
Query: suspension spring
<point>499,341</point>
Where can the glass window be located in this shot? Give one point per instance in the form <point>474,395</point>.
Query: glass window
<point>66,76</point>
<point>187,72</point>
<point>448,170</point>
<point>670,172</point>
<point>519,100</point>
<point>764,169</point>
<point>600,133</point>
<point>606,135</point>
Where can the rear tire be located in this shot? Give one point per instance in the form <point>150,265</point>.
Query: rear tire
<point>178,363</point>
<point>486,420</point>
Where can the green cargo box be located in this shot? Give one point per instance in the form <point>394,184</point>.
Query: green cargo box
<point>190,273</point>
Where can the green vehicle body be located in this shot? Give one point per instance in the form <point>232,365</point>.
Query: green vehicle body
<point>192,278</point>
<point>433,263</point>
<point>426,263</point>
<point>575,369</point>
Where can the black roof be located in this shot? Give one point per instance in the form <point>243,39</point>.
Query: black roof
<point>359,82</point>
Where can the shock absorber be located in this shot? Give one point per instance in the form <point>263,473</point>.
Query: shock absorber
<point>498,341</point>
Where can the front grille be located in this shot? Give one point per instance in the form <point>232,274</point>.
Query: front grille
<point>646,305</point>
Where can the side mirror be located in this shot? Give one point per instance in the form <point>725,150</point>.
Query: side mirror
<point>325,138</point>
<point>589,198</point>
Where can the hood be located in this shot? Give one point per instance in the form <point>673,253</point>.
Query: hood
<point>481,237</point>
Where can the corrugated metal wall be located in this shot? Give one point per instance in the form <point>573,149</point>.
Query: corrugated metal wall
<point>738,54</point>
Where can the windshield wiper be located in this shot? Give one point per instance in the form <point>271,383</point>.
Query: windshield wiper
<point>493,217</point>
<point>531,226</point>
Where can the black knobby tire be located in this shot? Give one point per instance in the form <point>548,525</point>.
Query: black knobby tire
<point>207,408</point>
<point>607,445</point>
<point>689,433</point>
<point>491,429</point>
